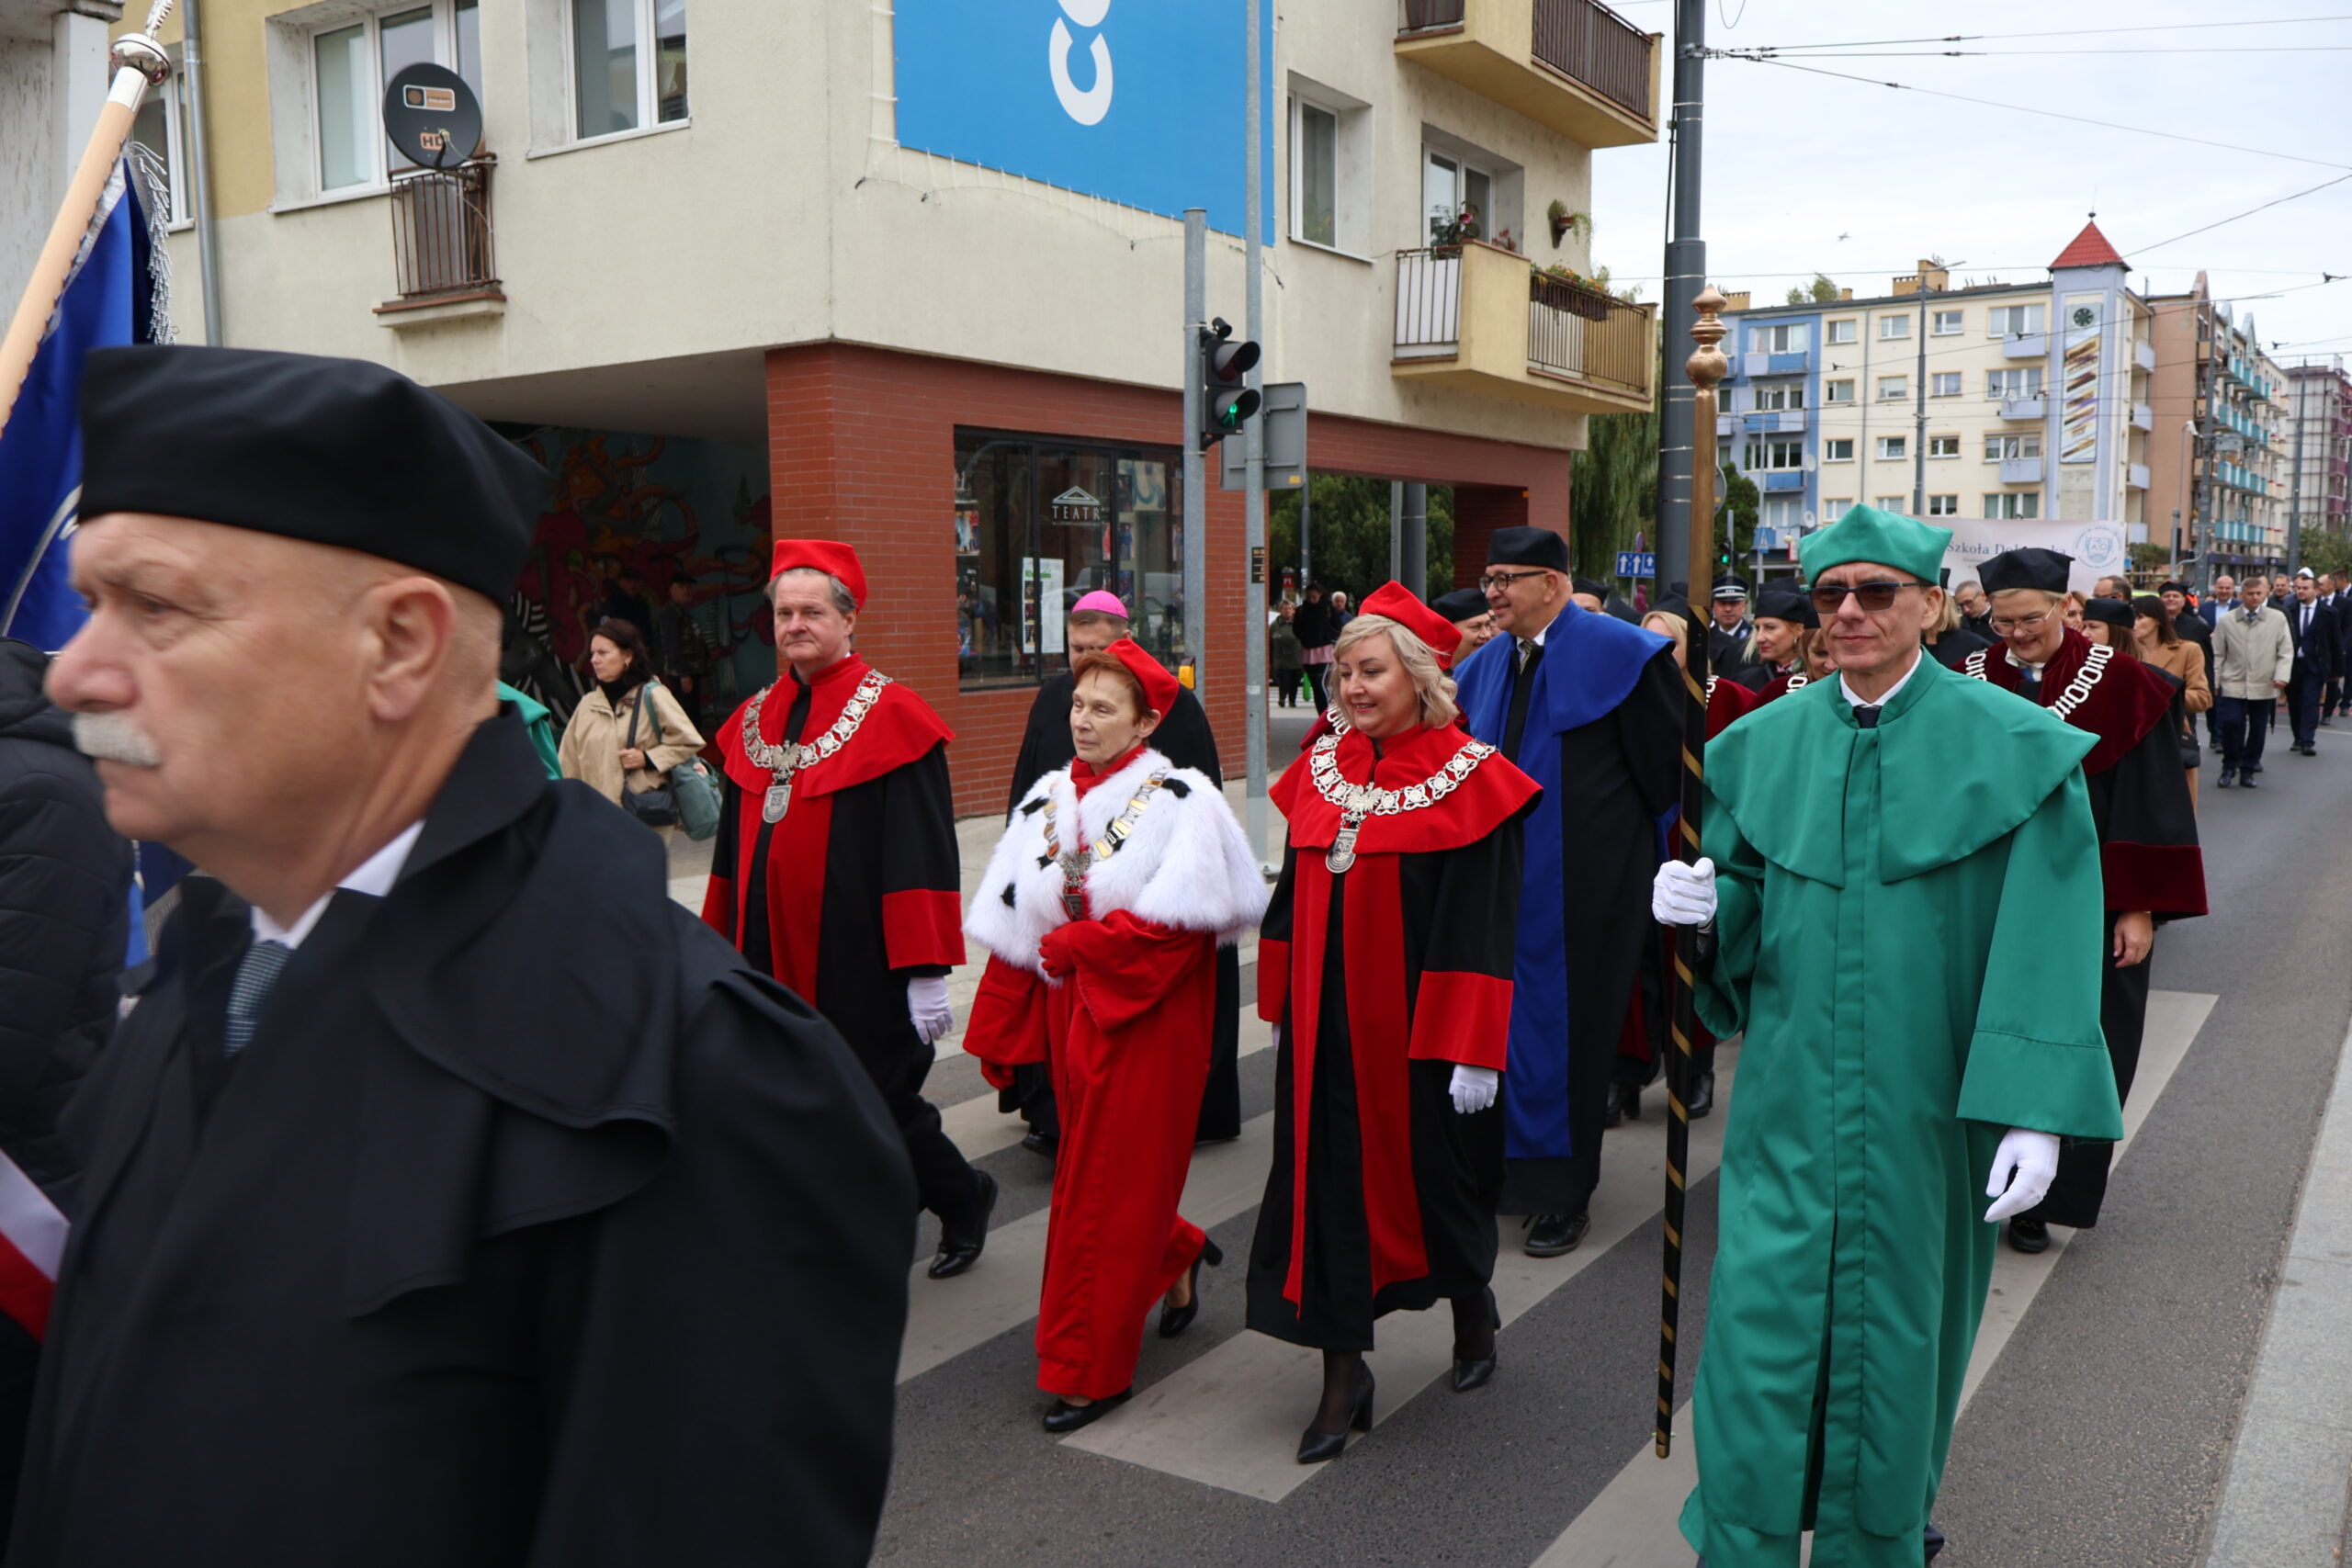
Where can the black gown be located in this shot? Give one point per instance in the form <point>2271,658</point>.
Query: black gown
<point>531,1228</point>
<point>1185,739</point>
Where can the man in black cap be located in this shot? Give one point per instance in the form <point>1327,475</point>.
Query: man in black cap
<point>451,1196</point>
<point>1592,708</point>
<point>1467,608</point>
<point>1729,654</point>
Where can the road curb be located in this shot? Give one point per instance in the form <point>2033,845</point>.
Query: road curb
<point>2284,1500</point>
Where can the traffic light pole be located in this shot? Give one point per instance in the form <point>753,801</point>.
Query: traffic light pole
<point>1196,541</point>
<point>1253,593</point>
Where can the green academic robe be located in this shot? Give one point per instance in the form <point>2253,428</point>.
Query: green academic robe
<point>1909,935</point>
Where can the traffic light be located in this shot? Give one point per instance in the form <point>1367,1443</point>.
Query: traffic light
<point>1226,403</point>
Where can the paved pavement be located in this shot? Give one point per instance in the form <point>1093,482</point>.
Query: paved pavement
<point>2115,1380</point>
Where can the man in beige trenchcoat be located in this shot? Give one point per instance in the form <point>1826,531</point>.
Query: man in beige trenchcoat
<point>2253,656</point>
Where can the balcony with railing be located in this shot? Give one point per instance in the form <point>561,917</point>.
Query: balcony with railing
<point>442,254</point>
<point>2021,470</point>
<point>1573,65</point>
<point>1476,318</point>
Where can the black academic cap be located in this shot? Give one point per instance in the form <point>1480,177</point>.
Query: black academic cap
<point>2032,567</point>
<point>1587,585</point>
<point>1528,546</point>
<point>1676,593</point>
<point>2114,612</point>
<point>1787,602</point>
<point>1729,586</point>
<point>336,451</point>
<point>1462,605</point>
<point>2180,588</point>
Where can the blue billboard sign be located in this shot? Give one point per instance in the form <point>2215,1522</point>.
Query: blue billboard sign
<point>1134,101</point>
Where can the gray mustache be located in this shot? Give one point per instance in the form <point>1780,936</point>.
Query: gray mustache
<point>114,738</point>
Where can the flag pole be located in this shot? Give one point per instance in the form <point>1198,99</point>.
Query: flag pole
<point>1706,366</point>
<point>138,62</point>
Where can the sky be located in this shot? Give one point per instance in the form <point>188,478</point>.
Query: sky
<point>1809,172</point>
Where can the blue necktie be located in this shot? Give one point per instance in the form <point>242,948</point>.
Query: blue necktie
<point>1866,715</point>
<point>256,972</point>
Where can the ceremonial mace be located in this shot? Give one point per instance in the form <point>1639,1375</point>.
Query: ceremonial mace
<point>1705,367</point>
<point>139,63</point>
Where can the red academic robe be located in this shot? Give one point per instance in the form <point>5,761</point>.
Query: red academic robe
<point>1126,1003</point>
<point>1381,1197</point>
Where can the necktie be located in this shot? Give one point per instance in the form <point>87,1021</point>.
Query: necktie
<point>1522,687</point>
<point>1866,715</point>
<point>1526,650</point>
<point>2029,684</point>
<point>256,972</point>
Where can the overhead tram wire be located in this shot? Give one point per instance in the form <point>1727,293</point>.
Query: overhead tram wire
<point>2249,212</point>
<point>2068,32</point>
<point>2024,108</point>
<point>1772,54</point>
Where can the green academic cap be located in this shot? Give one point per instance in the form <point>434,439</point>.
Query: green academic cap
<point>1887,538</point>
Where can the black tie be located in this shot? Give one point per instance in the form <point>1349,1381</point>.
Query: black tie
<point>1522,686</point>
<point>257,972</point>
<point>1866,715</point>
<point>2029,684</point>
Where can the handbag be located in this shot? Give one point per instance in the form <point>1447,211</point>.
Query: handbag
<point>658,806</point>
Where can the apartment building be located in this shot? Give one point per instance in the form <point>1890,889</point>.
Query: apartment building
<point>2319,434</point>
<point>910,276</point>
<point>2012,400</point>
<point>2222,467</point>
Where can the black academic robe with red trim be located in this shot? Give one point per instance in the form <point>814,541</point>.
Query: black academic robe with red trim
<point>858,889</point>
<point>1382,1196</point>
<point>2148,852</point>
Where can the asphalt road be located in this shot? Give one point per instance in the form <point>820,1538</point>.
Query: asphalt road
<point>2098,1435</point>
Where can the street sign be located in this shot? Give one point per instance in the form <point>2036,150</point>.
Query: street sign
<point>1636,563</point>
<point>1283,414</point>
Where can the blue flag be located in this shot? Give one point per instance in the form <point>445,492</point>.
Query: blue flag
<point>40,451</point>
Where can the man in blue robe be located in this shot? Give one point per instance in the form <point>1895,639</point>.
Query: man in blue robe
<point>1592,708</point>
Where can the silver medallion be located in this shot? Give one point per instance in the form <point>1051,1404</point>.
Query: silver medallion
<point>1343,853</point>
<point>778,802</point>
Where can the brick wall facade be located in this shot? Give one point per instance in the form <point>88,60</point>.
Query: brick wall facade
<point>862,448</point>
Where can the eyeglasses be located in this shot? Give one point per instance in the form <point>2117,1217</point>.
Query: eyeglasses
<point>1828,598</point>
<point>2004,624</point>
<point>1497,582</point>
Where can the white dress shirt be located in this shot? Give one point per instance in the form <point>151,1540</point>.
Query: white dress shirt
<point>374,877</point>
<point>1848,692</point>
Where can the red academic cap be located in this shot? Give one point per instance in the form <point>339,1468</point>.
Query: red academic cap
<point>821,555</point>
<point>1159,687</point>
<point>1397,602</point>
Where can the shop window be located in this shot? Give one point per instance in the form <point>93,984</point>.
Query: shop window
<point>1042,522</point>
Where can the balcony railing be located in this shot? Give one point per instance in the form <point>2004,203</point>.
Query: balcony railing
<point>1459,317</point>
<point>1586,335</point>
<point>1592,44</point>
<point>441,238</point>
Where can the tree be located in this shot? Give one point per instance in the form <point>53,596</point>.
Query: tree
<point>1820,291</point>
<point>1350,516</point>
<point>1613,490</point>
<point>1735,517</point>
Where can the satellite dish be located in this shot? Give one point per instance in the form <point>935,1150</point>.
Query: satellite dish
<point>432,116</point>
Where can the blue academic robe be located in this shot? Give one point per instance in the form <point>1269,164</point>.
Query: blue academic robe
<point>1603,740</point>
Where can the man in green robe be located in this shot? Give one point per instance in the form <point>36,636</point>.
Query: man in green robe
<point>1908,922</point>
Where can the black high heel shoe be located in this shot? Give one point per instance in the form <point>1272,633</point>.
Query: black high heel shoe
<point>1476,1372</point>
<point>1175,1320</point>
<point>1063,1417</point>
<point>1315,1447</point>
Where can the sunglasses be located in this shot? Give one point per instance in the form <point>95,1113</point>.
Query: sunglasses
<point>1828,598</point>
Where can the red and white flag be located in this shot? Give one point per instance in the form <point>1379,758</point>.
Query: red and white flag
<point>32,1241</point>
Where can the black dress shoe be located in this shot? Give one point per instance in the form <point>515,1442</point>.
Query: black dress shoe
<point>1552,1236</point>
<point>1063,1417</point>
<point>960,1244</point>
<point>2309,749</point>
<point>1703,1096</point>
<point>1175,1320</point>
<point>1632,1101</point>
<point>2245,780</point>
<point>1315,1447</point>
<point>1934,1540</point>
<point>1045,1144</point>
<point>1613,1110</point>
<point>2229,776</point>
<point>2028,1236</point>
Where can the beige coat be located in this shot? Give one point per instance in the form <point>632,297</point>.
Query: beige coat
<point>592,741</point>
<point>2186,661</point>
<point>2251,662</point>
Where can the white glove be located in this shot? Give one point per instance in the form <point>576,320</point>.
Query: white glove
<point>1474,1088</point>
<point>927,1005</point>
<point>1683,895</point>
<point>2024,1164</point>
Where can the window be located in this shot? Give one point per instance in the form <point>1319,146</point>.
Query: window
<point>1846,331</point>
<point>1943,506</point>
<point>1787,454</point>
<point>1893,389</point>
<point>1454,189</point>
<point>1943,445</point>
<point>1893,327</point>
<point>1838,449</point>
<point>2023,382</point>
<point>1784,513</point>
<point>2015,321</point>
<point>1780,395</point>
<point>629,65</point>
<point>1040,522</point>
<point>2010,505</point>
<point>1943,384</point>
<point>162,128</point>
<point>1315,174</point>
<point>1786,339</point>
<point>1840,392</point>
<point>1998,447</point>
<point>350,65</point>
<point>1895,446</point>
<point>1836,508</point>
<point>1891,502</point>
<point>1947,324</point>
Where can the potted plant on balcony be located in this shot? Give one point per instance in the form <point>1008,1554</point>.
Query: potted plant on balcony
<point>1570,290</point>
<point>1565,223</point>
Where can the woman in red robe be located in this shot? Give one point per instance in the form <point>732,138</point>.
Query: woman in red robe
<point>1102,910</point>
<point>1386,959</point>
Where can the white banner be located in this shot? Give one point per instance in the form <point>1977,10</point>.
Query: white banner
<point>2098,548</point>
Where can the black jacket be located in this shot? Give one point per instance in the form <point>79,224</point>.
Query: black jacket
<point>65,916</point>
<point>2314,655</point>
<point>531,1229</point>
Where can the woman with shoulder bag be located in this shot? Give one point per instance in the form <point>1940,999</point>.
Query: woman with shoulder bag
<point>627,734</point>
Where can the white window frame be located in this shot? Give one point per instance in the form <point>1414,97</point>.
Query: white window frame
<point>1836,508</point>
<point>306,38</point>
<point>1782,337</point>
<point>1300,105</point>
<point>1943,506</point>
<point>1903,394</point>
<point>2013,505</point>
<point>1997,443</point>
<point>1894,503</point>
<point>1779,396</point>
<point>1351,182</point>
<point>183,213</point>
<point>1891,328</point>
<point>1846,331</point>
<point>2028,380</point>
<point>2037,318</point>
<point>1782,512</point>
<point>648,89</point>
<point>1939,380</point>
<point>1893,448</point>
<point>1764,454</point>
<point>1950,443</point>
<point>1837,449</point>
<point>1947,324</point>
<point>1829,393</point>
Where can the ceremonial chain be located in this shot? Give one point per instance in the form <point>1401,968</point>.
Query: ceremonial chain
<point>1357,801</point>
<point>2078,690</point>
<point>1074,863</point>
<point>785,761</point>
